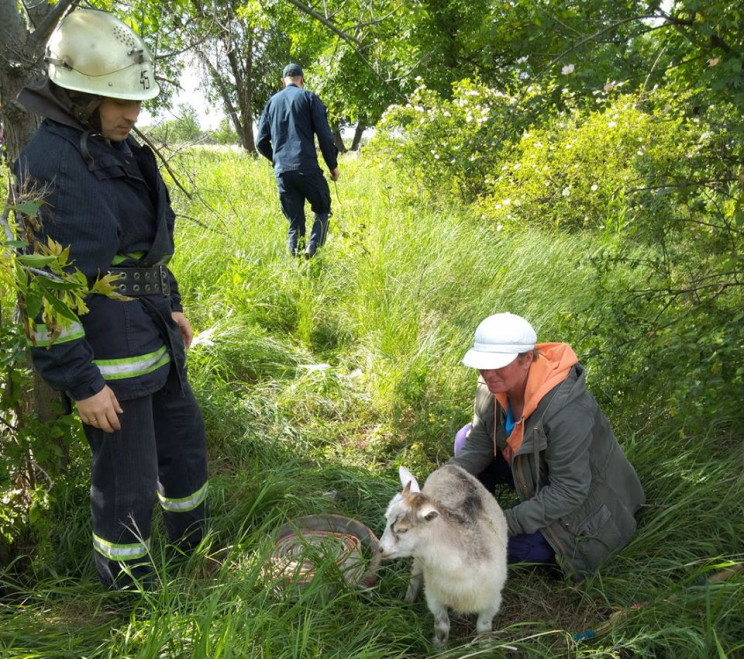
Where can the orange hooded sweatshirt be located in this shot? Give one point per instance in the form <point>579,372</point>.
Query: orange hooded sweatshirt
<point>546,372</point>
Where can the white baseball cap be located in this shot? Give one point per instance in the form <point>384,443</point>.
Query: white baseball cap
<point>498,340</point>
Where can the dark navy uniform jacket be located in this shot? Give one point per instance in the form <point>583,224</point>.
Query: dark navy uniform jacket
<point>108,205</point>
<point>286,128</point>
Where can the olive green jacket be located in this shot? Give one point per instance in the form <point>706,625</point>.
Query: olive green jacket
<point>574,483</point>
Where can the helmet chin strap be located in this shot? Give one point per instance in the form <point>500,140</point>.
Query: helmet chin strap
<point>84,111</point>
<point>57,62</point>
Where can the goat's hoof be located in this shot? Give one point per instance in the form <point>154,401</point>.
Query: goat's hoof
<point>483,639</point>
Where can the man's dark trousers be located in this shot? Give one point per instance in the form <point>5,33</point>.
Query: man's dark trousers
<point>295,188</point>
<point>160,450</point>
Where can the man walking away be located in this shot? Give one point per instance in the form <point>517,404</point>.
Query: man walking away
<point>286,132</point>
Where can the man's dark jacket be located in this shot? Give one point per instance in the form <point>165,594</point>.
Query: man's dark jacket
<point>109,206</point>
<point>285,132</point>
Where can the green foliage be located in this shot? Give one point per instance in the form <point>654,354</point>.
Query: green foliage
<point>224,134</point>
<point>579,170</point>
<point>447,145</point>
<point>184,129</point>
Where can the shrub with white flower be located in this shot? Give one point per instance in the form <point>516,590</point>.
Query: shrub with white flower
<point>572,172</point>
<point>447,144</point>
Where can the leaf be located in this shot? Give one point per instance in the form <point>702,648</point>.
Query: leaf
<point>57,285</point>
<point>15,244</point>
<point>60,308</point>
<point>33,304</point>
<point>106,285</point>
<point>30,208</point>
<point>36,260</point>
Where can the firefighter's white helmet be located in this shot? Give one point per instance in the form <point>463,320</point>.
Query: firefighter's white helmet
<point>93,51</point>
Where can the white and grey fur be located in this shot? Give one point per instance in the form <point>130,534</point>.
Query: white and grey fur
<point>457,534</point>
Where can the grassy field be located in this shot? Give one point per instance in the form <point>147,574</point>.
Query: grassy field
<point>317,379</point>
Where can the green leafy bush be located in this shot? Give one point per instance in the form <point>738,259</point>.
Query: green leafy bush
<point>447,145</point>
<point>577,170</point>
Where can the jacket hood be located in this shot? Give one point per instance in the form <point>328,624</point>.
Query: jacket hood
<point>66,107</point>
<point>546,372</point>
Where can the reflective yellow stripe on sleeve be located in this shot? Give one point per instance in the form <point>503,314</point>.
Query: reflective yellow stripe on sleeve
<point>42,337</point>
<point>131,367</point>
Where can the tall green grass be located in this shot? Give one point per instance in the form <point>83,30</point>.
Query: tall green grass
<point>317,378</point>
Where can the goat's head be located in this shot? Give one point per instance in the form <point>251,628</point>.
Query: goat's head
<point>408,516</point>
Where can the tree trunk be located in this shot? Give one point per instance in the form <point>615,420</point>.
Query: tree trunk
<point>358,132</point>
<point>17,67</point>
<point>21,60</point>
<point>241,121</point>
<point>338,140</point>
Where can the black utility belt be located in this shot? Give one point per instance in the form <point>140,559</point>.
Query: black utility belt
<point>141,281</point>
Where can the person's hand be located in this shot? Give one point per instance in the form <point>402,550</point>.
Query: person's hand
<point>334,174</point>
<point>187,334</point>
<point>101,410</point>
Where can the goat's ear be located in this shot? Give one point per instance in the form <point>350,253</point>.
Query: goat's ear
<point>429,513</point>
<point>409,483</point>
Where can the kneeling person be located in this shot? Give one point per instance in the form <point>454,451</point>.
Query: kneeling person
<point>537,428</point>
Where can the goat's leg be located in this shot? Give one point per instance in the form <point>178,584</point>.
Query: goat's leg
<point>484,624</point>
<point>414,585</point>
<point>441,624</point>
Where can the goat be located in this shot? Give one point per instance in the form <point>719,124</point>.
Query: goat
<point>457,534</point>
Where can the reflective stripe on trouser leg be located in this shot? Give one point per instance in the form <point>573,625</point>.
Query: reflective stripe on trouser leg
<point>123,489</point>
<point>182,463</point>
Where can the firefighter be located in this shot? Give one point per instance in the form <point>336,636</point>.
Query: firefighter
<point>123,363</point>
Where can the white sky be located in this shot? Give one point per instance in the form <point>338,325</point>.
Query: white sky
<point>209,116</point>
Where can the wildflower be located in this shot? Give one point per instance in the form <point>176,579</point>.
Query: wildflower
<point>569,68</point>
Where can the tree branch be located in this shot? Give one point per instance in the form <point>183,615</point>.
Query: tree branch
<point>42,31</point>
<point>149,143</point>
<point>329,24</point>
